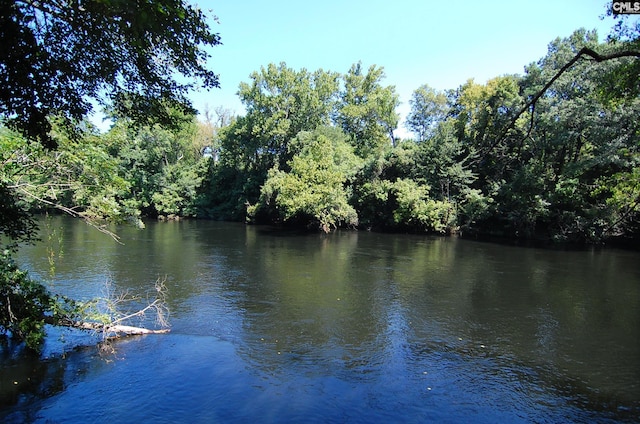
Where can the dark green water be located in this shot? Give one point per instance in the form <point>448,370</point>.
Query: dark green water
<point>271,326</point>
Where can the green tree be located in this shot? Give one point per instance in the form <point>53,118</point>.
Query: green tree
<point>280,103</point>
<point>56,57</point>
<point>79,177</point>
<point>429,107</point>
<point>403,205</point>
<point>393,191</point>
<point>621,83</point>
<point>585,139</point>
<point>164,168</point>
<point>367,110</point>
<point>25,304</point>
<point>553,167</point>
<point>314,192</point>
<point>482,111</point>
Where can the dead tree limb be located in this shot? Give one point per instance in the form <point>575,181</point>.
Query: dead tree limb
<point>107,330</point>
<point>108,319</point>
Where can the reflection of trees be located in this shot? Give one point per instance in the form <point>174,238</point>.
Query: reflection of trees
<point>339,298</point>
<point>301,302</point>
<point>573,313</point>
<point>365,301</point>
<point>78,252</point>
<point>27,378</point>
<point>190,263</point>
<point>547,309</point>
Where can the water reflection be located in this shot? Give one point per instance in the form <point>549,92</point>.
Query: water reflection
<point>361,326</point>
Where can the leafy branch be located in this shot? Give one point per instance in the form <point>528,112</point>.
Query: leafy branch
<point>530,105</point>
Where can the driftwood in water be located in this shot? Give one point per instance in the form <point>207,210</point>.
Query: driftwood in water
<point>113,324</point>
<point>108,330</point>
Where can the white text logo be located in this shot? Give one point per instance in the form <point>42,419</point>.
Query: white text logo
<point>625,7</point>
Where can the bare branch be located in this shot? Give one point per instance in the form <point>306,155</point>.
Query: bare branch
<point>108,330</point>
<point>115,327</point>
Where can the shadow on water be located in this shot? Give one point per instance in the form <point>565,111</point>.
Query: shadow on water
<point>28,378</point>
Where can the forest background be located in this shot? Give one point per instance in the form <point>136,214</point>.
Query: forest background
<point>551,154</point>
<point>324,149</point>
<point>318,149</point>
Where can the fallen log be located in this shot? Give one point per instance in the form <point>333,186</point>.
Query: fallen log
<point>132,331</point>
<point>108,330</point>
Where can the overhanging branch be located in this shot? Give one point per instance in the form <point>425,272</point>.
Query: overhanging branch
<point>585,51</point>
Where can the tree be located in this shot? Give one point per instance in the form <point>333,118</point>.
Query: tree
<point>482,111</point>
<point>404,205</point>
<point>444,162</point>
<point>79,178</point>
<point>583,133</point>
<point>55,57</point>
<point>280,102</point>
<point>313,192</point>
<point>367,110</point>
<point>556,167</point>
<point>162,167</point>
<point>617,83</point>
<point>207,139</point>
<point>137,58</point>
<point>428,108</point>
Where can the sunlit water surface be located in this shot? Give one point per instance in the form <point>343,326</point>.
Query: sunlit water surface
<point>272,326</point>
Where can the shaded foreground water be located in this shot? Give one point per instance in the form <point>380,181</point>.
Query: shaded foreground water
<point>270,326</point>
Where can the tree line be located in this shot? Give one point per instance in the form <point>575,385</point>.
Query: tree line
<point>317,149</point>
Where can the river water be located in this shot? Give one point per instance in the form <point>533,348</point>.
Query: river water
<point>271,326</point>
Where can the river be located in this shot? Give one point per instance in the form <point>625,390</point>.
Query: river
<point>274,326</point>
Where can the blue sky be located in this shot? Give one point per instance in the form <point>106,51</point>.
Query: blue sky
<point>440,43</point>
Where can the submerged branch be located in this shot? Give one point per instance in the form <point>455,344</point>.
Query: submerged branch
<point>108,330</point>
<point>105,317</point>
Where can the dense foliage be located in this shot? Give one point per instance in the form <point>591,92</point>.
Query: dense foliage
<point>55,57</point>
<point>312,191</point>
<point>318,150</point>
<point>26,305</point>
<point>553,154</point>
<point>564,168</point>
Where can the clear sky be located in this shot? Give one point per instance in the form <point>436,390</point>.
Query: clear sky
<point>440,43</point>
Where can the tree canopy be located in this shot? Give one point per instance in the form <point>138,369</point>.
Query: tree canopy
<point>58,57</point>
